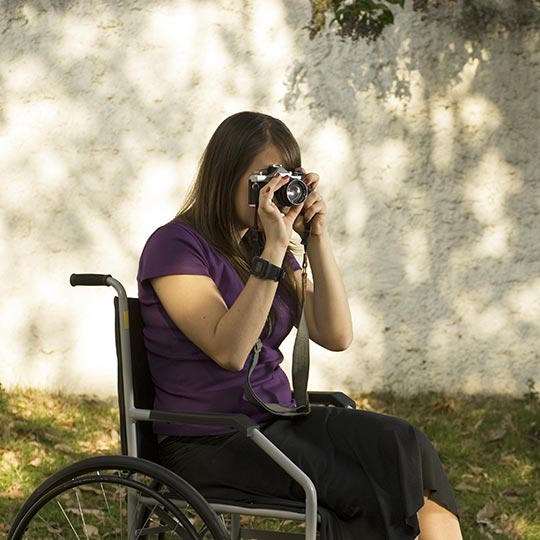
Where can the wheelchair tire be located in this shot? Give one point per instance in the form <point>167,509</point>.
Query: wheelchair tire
<point>116,497</point>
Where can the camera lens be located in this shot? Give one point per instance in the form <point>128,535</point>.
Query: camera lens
<point>296,192</point>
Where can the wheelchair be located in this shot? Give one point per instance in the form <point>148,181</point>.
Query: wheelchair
<point>132,496</point>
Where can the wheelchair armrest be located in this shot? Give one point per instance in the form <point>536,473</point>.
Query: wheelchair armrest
<point>240,422</point>
<point>337,399</point>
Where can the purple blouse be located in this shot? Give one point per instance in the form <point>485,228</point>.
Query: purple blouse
<point>185,378</point>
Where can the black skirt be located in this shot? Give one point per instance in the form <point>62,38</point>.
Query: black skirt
<point>370,470</point>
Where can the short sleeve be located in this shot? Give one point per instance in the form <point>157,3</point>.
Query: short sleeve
<point>174,248</point>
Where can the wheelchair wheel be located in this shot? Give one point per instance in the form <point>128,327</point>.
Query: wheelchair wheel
<point>117,498</point>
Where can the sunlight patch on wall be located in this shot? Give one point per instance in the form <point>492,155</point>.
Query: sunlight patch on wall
<point>79,37</point>
<point>410,105</point>
<point>171,51</point>
<point>386,166</point>
<point>368,329</point>
<point>268,35</point>
<point>481,317</point>
<point>36,109</point>
<point>443,129</point>
<point>13,319</point>
<point>465,79</point>
<point>495,241</point>
<point>479,118</point>
<point>357,210</point>
<point>524,302</point>
<point>199,48</point>
<point>331,147</point>
<point>51,168</point>
<point>159,180</point>
<point>486,192</point>
<point>23,74</point>
<point>174,28</point>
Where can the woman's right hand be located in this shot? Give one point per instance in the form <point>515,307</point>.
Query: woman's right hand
<point>277,226</point>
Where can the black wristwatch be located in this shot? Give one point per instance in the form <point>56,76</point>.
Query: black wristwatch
<point>263,269</point>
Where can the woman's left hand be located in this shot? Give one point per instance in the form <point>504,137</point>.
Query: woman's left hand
<point>314,208</point>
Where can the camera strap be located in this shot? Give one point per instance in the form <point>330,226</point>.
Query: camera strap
<point>300,359</point>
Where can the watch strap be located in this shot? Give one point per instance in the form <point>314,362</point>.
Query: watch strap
<point>264,269</point>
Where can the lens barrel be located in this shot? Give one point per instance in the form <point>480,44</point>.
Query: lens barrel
<point>292,193</point>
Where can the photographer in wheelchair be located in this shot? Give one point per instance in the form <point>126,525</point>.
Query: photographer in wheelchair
<point>219,290</point>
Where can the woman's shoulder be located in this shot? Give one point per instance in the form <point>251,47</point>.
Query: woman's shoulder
<point>177,231</point>
<point>174,248</point>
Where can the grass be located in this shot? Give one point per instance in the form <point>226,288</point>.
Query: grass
<point>43,432</point>
<point>490,447</point>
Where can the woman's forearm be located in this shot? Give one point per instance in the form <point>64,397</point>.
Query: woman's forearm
<point>327,306</point>
<point>240,327</point>
<point>227,335</point>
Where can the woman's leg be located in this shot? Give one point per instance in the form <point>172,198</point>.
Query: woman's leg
<point>437,523</point>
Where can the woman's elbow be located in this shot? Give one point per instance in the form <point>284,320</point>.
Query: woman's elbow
<point>341,344</point>
<point>337,342</point>
<point>229,362</point>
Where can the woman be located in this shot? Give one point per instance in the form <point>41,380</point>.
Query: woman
<point>204,309</point>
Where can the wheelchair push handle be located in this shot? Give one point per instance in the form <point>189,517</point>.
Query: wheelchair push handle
<point>89,279</point>
<point>95,280</point>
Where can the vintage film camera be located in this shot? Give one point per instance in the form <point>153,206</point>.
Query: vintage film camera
<point>293,193</point>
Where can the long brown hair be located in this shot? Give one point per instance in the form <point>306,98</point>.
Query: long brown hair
<point>209,206</point>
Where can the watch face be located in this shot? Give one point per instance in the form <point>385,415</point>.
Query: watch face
<point>265,270</point>
<point>258,267</point>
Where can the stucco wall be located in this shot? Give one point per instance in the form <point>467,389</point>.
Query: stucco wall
<point>426,141</point>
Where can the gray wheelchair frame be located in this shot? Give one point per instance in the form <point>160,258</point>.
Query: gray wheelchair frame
<point>137,415</point>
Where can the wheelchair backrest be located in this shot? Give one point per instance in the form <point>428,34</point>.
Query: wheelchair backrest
<point>141,381</point>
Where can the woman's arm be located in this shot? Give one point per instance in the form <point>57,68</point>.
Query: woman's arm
<point>196,306</point>
<point>327,311</point>
<point>328,315</point>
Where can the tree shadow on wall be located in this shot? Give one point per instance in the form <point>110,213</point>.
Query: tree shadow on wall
<point>80,216</point>
<point>90,200</point>
<point>467,71</point>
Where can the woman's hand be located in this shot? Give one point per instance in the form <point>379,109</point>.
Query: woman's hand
<point>314,208</point>
<point>277,226</point>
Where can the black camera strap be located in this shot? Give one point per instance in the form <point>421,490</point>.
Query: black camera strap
<point>300,359</point>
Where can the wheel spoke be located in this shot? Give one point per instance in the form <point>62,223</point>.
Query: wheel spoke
<point>68,520</point>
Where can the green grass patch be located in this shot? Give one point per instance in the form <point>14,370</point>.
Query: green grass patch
<point>42,432</point>
<point>490,447</point>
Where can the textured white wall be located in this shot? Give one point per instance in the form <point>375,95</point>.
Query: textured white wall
<point>427,142</point>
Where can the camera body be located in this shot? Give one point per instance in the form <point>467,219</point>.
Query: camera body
<point>293,193</point>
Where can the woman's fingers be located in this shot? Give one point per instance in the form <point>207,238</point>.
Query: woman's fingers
<point>314,205</point>
<point>267,193</point>
<point>312,180</point>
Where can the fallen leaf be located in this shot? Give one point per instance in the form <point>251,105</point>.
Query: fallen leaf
<point>475,469</point>
<point>495,435</point>
<point>508,460</point>
<point>463,486</point>
<point>91,530</point>
<point>13,492</point>
<point>64,448</point>
<point>515,492</point>
<point>486,514</point>
<point>474,428</point>
<point>447,406</point>
<point>9,461</point>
